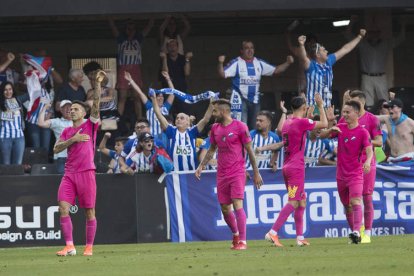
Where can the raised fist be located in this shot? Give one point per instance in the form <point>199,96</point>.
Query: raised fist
<point>221,59</point>
<point>189,55</point>
<point>362,32</point>
<point>289,59</point>
<point>302,39</point>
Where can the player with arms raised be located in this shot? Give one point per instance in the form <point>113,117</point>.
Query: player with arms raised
<point>294,133</point>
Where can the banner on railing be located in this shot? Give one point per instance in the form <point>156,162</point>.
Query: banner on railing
<point>195,212</point>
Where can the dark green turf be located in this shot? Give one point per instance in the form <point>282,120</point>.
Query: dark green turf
<point>390,255</point>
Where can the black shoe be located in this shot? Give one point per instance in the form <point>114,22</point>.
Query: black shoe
<point>355,237</point>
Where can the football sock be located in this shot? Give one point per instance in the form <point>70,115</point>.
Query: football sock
<point>90,231</point>
<point>231,221</point>
<point>283,216</point>
<point>241,223</point>
<point>298,216</point>
<point>357,210</point>
<point>66,226</point>
<point>368,211</point>
<point>350,219</point>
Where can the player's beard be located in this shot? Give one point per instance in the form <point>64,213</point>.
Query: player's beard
<point>219,119</point>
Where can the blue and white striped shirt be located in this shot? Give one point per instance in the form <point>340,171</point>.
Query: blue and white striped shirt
<point>319,79</point>
<point>11,120</point>
<point>34,116</point>
<point>181,148</point>
<point>129,51</point>
<point>263,158</point>
<point>140,162</point>
<point>152,118</point>
<point>246,76</point>
<point>314,149</point>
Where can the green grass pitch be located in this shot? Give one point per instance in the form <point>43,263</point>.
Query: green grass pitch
<point>387,255</point>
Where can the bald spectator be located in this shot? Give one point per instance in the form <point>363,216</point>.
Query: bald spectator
<point>73,89</point>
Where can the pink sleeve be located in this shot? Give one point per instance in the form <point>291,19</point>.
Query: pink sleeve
<point>244,134</point>
<point>63,135</point>
<point>308,124</point>
<point>212,139</point>
<point>366,141</point>
<point>376,129</point>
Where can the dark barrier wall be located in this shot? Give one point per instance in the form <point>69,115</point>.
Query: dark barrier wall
<point>129,209</point>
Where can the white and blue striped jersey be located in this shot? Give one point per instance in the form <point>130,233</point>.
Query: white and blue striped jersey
<point>129,51</point>
<point>206,145</point>
<point>246,76</point>
<point>32,117</point>
<point>319,80</point>
<point>152,118</point>
<point>263,158</point>
<point>280,158</point>
<point>181,148</point>
<point>11,120</point>
<point>115,168</point>
<point>140,162</point>
<point>314,149</point>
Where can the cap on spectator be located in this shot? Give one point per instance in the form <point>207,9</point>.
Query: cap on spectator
<point>64,102</point>
<point>395,102</point>
<point>145,136</point>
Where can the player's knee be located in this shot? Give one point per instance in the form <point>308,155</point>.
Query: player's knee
<point>225,209</point>
<point>367,198</point>
<point>63,211</point>
<point>355,201</point>
<point>90,214</point>
<point>294,203</point>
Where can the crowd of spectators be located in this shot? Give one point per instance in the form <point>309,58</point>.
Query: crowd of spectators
<point>167,126</point>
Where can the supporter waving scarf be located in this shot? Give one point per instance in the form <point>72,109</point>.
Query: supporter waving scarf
<point>402,118</point>
<point>187,98</point>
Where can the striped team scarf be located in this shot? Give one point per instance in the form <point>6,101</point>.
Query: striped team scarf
<point>34,79</point>
<point>187,98</point>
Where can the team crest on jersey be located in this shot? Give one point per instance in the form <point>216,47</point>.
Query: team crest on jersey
<point>292,191</point>
<point>310,121</point>
<point>346,140</point>
<point>353,138</point>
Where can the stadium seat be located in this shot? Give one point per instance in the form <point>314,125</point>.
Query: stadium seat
<point>35,156</point>
<point>11,170</point>
<point>39,169</point>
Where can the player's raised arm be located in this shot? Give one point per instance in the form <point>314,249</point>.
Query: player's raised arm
<point>99,77</point>
<point>323,122</point>
<point>209,155</point>
<point>257,178</point>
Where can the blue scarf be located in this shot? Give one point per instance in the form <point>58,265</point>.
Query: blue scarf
<point>402,118</point>
<point>187,98</point>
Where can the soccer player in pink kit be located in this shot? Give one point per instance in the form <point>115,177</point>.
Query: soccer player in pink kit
<point>353,139</point>
<point>371,123</point>
<point>79,178</point>
<point>232,139</point>
<point>294,133</point>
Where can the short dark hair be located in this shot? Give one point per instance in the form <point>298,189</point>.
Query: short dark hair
<point>91,66</point>
<point>121,139</point>
<point>222,102</point>
<point>265,113</point>
<point>297,102</point>
<point>358,94</point>
<point>354,104</point>
<point>142,120</point>
<point>84,105</point>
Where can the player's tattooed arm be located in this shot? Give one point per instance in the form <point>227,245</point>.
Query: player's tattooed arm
<point>206,159</point>
<point>257,178</point>
<point>99,77</point>
<point>209,155</point>
<point>62,145</point>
